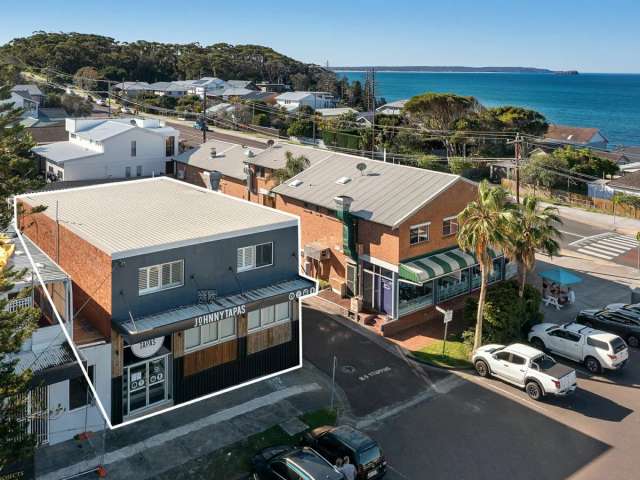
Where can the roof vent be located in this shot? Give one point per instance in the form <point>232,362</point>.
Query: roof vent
<point>295,183</point>
<point>343,180</point>
<point>249,153</point>
<point>212,153</point>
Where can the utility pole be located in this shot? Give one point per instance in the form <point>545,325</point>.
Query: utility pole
<point>313,119</point>
<point>373,110</point>
<point>518,152</point>
<point>204,116</point>
<point>109,96</point>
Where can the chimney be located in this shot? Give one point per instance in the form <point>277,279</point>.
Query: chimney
<point>214,179</point>
<point>343,204</point>
<point>343,212</point>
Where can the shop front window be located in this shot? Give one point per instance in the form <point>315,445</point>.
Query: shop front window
<point>146,384</point>
<point>494,276</point>
<point>453,285</point>
<point>413,297</point>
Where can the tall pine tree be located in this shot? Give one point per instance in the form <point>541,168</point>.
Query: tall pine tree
<point>18,173</point>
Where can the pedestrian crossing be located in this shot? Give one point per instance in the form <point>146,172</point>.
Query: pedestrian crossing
<point>606,246</point>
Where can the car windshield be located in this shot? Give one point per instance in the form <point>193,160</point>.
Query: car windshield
<point>543,362</point>
<point>371,454</point>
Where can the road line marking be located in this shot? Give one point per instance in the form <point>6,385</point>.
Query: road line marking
<point>613,244</point>
<point>608,248</point>
<point>587,252</point>
<point>590,238</point>
<point>571,233</point>
<point>624,241</point>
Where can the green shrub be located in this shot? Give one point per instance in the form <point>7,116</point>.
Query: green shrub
<point>507,317</point>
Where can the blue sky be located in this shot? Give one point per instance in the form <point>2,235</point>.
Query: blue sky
<point>587,35</point>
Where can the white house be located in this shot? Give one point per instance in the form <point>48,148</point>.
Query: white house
<point>33,90</point>
<point>392,108</point>
<point>22,99</point>
<point>171,89</point>
<point>59,404</point>
<point>100,148</point>
<point>292,101</point>
<point>208,84</point>
<point>131,89</point>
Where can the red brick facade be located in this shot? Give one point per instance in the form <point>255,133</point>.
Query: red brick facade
<point>228,185</point>
<point>88,266</point>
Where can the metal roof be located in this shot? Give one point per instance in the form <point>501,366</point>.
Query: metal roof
<point>229,159</point>
<point>275,156</point>
<point>104,130</point>
<point>384,193</point>
<point>294,96</point>
<point>334,112</point>
<point>182,318</point>
<point>60,152</point>
<point>31,88</point>
<point>49,270</point>
<point>132,218</point>
<point>53,356</point>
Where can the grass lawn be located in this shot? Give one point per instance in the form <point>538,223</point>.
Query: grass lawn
<point>234,462</point>
<point>456,354</point>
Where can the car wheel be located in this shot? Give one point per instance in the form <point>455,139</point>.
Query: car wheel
<point>533,390</point>
<point>592,365</point>
<point>539,344</point>
<point>633,341</point>
<point>482,368</point>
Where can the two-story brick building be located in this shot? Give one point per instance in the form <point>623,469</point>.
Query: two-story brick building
<point>385,234</point>
<point>196,291</point>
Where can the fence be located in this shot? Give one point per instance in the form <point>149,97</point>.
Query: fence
<point>574,199</point>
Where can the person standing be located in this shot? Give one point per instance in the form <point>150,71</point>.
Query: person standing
<point>348,469</point>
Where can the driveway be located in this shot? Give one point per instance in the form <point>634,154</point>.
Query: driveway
<point>371,376</point>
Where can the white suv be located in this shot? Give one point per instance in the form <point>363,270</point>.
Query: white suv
<point>596,349</point>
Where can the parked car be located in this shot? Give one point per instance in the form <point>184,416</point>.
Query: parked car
<point>596,349</point>
<point>126,110</point>
<point>363,452</point>
<point>200,125</point>
<point>285,462</point>
<point>622,322</point>
<point>99,101</point>
<point>526,367</point>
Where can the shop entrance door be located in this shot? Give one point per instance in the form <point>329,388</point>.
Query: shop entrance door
<point>147,383</point>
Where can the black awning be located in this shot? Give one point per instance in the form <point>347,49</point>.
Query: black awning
<point>189,316</point>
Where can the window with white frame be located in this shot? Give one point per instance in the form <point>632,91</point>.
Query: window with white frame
<point>160,277</point>
<point>449,226</point>
<point>133,148</point>
<point>210,334</point>
<point>255,256</point>
<point>419,233</point>
<point>268,316</point>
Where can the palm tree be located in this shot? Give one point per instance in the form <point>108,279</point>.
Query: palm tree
<point>532,228</point>
<point>483,225</point>
<point>293,167</point>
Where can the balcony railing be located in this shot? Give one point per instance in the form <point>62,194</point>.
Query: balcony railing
<point>18,303</point>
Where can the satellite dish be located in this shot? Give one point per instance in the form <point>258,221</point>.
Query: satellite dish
<point>362,167</point>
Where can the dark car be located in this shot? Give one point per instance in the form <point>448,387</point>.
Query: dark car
<point>624,323</point>
<point>200,125</point>
<point>362,450</point>
<point>292,463</point>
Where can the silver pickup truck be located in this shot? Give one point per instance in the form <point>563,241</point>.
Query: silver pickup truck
<point>526,367</point>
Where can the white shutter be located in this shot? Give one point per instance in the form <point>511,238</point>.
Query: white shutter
<point>240,259</point>
<point>142,279</point>
<point>177,273</point>
<point>166,274</point>
<point>154,274</point>
<point>250,257</point>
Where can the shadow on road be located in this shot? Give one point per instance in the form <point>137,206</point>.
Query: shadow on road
<point>592,405</point>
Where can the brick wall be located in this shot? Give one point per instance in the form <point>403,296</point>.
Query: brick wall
<point>228,185</point>
<point>88,266</point>
<point>379,241</point>
<point>448,204</point>
<point>323,228</point>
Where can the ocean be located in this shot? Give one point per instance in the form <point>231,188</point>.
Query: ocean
<point>610,102</point>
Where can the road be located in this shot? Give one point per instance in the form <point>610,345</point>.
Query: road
<point>434,424</point>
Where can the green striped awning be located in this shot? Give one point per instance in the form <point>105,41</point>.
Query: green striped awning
<point>423,269</point>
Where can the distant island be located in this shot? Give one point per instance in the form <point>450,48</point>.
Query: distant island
<point>453,69</point>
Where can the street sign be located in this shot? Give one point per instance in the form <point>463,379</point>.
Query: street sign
<point>448,316</point>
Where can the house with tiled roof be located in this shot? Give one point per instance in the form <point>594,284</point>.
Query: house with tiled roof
<point>576,136</point>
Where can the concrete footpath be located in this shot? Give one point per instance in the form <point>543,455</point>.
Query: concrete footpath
<point>153,446</point>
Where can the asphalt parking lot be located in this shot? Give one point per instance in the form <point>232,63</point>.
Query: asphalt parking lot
<point>371,377</point>
<point>483,428</point>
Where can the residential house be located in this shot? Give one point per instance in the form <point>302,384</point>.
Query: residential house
<point>196,291</point>
<point>216,165</point>
<point>171,89</point>
<point>627,184</point>
<point>576,136</point>
<point>272,87</point>
<point>59,402</point>
<point>131,89</point>
<point>210,85</point>
<point>23,100</point>
<point>384,235</point>
<point>335,112</point>
<point>33,90</point>
<point>248,84</point>
<point>392,108</point>
<point>292,101</point>
<point>110,148</point>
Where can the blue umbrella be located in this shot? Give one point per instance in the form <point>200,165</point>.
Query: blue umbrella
<point>560,276</point>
